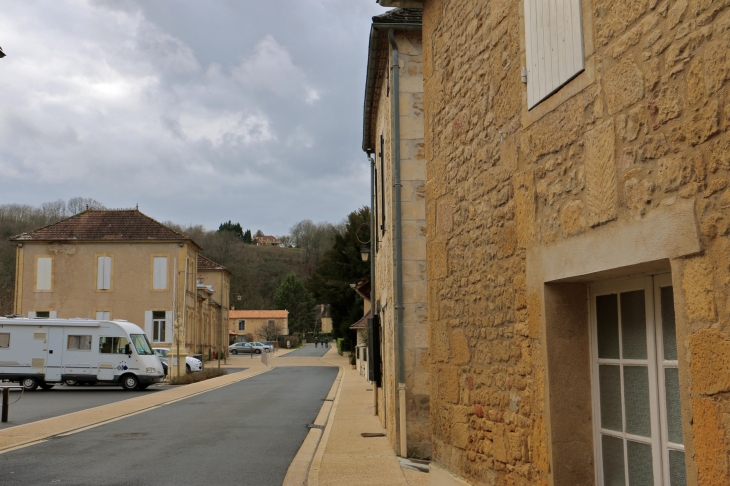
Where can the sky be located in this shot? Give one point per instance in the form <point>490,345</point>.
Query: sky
<point>199,111</point>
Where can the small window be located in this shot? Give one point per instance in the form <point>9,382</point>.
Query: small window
<point>158,326</point>
<point>159,273</point>
<point>113,345</point>
<point>553,46</point>
<point>4,339</point>
<point>104,273</point>
<point>44,274</point>
<point>103,315</point>
<point>43,314</point>
<point>241,325</point>
<point>79,342</point>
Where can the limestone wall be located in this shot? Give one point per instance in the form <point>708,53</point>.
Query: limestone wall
<point>638,140</point>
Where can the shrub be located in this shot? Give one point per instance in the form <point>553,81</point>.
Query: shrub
<point>188,378</point>
<point>339,346</point>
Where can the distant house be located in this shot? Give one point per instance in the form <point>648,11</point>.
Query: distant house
<point>266,240</point>
<point>244,322</point>
<point>323,317</point>
<point>122,264</point>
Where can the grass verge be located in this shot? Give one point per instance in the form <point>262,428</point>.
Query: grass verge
<point>189,378</point>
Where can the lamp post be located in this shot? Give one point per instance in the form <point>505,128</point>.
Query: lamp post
<point>365,253</point>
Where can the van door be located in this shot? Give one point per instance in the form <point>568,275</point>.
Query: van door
<point>54,359</point>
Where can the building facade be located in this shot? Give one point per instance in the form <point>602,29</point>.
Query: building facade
<point>393,139</point>
<point>577,159</point>
<point>112,264</point>
<point>214,283</point>
<point>247,325</point>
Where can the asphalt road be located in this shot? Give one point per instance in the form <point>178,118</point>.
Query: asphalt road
<point>246,433</point>
<point>62,399</point>
<point>308,350</point>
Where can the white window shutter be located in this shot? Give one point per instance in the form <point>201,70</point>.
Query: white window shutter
<point>148,324</point>
<point>168,326</point>
<point>54,314</point>
<point>103,315</point>
<point>104,273</point>
<point>44,275</point>
<point>159,276</point>
<point>553,46</point>
<point>31,314</point>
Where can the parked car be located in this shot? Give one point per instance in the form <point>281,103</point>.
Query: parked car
<point>192,365</point>
<point>243,348</point>
<point>266,346</point>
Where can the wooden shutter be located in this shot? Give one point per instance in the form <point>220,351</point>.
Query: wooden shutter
<point>104,273</point>
<point>45,272</point>
<point>553,46</point>
<point>159,278</point>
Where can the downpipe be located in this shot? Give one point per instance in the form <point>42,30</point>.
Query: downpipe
<point>398,245</point>
<point>372,263</point>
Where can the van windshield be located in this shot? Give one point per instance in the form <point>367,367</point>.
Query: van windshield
<point>141,345</point>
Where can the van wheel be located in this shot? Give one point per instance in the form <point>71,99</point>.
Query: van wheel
<point>130,382</point>
<point>29,384</point>
<point>45,386</point>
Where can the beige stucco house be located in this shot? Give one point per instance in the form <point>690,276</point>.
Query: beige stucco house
<point>117,264</point>
<point>245,322</point>
<point>393,140</point>
<point>577,161</point>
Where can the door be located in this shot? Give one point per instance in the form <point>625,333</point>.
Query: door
<point>54,359</point>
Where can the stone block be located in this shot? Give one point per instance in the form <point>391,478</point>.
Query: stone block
<point>414,271</point>
<point>572,218</point>
<point>437,259</point>
<point>674,172</point>
<point>413,210</point>
<point>624,84</point>
<point>710,362</point>
<point>664,105</point>
<point>613,16</point>
<point>444,216</point>
<point>411,127</point>
<point>525,206</point>
<point>413,170</point>
<point>460,353</point>
<point>414,249</point>
<point>460,435</point>
<point>716,65</point>
<point>500,443</point>
<point>709,442</point>
<point>439,336</point>
<point>699,292</point>
<point>601,200</point>
<point>414,291</point>
<point>415,337</point>
<point>448,384</point>
<point>411,84</point>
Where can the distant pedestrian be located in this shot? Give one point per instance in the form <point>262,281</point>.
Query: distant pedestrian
<point>316,341</point>
<point>326,343</point>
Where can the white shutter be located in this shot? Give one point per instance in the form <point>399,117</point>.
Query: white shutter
<point>104,273</point>
<point>103,315</point>
<point>553,46</point>
<point>168,326</point>
<point>159,277</point>
<point>44,273</point>
<point>31,314</point>
<point>148,324</point>
<point>54,314</point>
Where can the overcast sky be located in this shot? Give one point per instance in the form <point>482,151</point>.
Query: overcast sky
<point>200,111</point>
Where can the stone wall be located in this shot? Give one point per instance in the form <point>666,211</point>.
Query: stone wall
<point>413,208</point>
<point>642,131</point>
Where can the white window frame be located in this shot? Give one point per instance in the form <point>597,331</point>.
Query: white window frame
<point>162,325</point>
<point>655,363</point>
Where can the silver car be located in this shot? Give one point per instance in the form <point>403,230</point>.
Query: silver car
<point>243,348</point>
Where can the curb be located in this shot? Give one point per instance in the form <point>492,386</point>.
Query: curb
<point>95,423</point>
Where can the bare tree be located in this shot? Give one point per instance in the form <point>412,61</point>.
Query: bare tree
<point>271,331</point>
<point>78,205</point>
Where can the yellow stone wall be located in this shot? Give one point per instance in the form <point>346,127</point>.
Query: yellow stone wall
<point>413,208</point>
<point>642,133</point>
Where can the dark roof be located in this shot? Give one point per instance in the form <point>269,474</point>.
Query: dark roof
<point>362,323</point>
<point>362,287</point>
<point>396,19</point>
<point>104,225</point>
<point>206,264</point>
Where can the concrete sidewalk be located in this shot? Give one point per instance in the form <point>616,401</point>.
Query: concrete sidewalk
<point>340,454</point>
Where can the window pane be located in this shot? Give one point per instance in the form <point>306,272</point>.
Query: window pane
<point>613,461</point>
<point>677,472</point>
<point>609,377</point>
<point>640,464</point>
<point>5,340</point>
<point>674,410</point>
<point>636,394</point>
<point>105,345</point>
<point>607,323</point>
<point>633,325</point>
<point>669,330</point>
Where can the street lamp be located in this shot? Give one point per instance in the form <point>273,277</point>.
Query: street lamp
<point>365,253</point>
<point>2,54</point>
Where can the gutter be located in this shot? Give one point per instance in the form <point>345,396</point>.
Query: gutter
<point>395,116</point>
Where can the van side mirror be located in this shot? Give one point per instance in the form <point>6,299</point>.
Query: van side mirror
<point>128,350</point>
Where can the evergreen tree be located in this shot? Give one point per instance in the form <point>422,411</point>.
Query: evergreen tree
<point>247,237</point>
<point>293,296</point>
<point>233,228</point>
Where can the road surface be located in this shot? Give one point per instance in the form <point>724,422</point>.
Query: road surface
<point>244,433</point>
<point>308,350</point>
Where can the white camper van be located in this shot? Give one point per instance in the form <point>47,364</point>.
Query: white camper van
<point>42,352</point>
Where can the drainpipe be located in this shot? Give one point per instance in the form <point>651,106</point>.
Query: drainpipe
<point>395,111</point>
<point>373,229</point>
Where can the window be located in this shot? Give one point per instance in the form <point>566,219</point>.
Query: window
<point>103,315</point>
<point>241,325</point>
<point>103,273</point>
<point>79,342</point>
<point>159,273</point>
<point>271,322</point>
<point>553,46</point>
<point>637,410</point>
<point>141,345</point>
<point>382,184</point>
<point>43,315</point>
<point>113,345</point>
<point>44,274</point>
<point>4,339</point>
<point>158,326</point>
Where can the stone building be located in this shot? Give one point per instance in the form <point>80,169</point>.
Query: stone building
<point>393,140</point>
<point>243,324</point>
<point>214,283</point>
<point>578,158</point>
<point>118,264</point>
